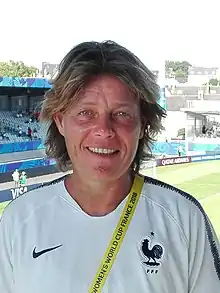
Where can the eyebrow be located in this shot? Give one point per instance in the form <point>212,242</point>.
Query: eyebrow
<point>118,104</point>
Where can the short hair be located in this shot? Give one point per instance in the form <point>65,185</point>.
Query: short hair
<point>85,61</point>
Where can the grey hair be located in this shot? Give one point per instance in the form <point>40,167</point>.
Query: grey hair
<point>90,59</point>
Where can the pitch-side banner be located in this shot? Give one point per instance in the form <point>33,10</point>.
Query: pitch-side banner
<point>173,161</point>
<point>13,193</point>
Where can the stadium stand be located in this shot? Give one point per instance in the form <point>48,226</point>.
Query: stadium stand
<point>18,127</point>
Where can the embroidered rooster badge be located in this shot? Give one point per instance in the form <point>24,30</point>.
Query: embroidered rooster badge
<point>152,254</point>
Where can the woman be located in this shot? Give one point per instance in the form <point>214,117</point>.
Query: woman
<point>103,228</point>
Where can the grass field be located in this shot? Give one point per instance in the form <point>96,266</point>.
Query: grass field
<point>2,206</point>
<point>202,180</point>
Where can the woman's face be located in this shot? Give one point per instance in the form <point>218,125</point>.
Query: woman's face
<point>102,130</point>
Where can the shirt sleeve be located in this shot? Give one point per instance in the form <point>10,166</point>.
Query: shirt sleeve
<point>204,255</point>
<point>6,268</point>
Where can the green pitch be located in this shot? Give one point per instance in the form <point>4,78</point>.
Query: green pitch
<point>2,206</point>
<point>202,180</point>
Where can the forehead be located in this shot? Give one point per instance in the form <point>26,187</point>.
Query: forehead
<point>108,88</point>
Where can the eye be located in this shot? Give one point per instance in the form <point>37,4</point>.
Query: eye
<point>122,114</point>
<point>85,113</point>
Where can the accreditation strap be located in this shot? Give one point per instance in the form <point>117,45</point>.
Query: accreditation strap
<point>118,236</point>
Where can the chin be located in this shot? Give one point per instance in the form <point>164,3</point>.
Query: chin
<point>106,173</point>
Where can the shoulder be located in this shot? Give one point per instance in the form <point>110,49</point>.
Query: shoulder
<point>174,203</point>
<point>169,196</point>
<point>191,218</point>
<point>22,207</point>
<point>185,210</point>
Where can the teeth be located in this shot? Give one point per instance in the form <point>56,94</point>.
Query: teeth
<point>102,151</point>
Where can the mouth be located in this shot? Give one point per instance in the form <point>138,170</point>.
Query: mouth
<point>102,151</point>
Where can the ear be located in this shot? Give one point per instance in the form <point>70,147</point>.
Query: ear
<point>58,119</point>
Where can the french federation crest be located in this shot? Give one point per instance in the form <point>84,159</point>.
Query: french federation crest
<point>152,253</point>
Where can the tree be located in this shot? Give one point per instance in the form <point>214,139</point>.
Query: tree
<point>17,69</point>
<point>177,69</point>
<point>214,82</point>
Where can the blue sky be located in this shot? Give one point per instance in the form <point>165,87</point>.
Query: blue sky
<point>36,31</point>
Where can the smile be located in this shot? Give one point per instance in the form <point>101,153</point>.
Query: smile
<point>102,151</point>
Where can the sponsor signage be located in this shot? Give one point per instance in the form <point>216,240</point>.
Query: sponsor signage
<point>205,158</point>
<point>13,193</point>
<point>16,192</point>
<point>173,161</point>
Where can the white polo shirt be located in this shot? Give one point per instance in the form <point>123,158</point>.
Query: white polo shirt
<point>49,245</point>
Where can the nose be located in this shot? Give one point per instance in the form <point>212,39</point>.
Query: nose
<point>104,126</point>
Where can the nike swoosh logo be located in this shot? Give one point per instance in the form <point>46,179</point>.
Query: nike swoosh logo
<point>39,253</point>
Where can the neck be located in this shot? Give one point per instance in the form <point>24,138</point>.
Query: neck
<point>98,198</point>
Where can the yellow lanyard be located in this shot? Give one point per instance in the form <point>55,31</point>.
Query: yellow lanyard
<point>118,236</point>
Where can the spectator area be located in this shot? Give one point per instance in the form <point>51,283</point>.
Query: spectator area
<point>14,127</point>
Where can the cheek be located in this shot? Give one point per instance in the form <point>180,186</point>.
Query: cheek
<point>74,134</point>
<point>134,130</point>
<point>131,137</point>
<point>71,146</point>
<point>78,126</point>
<point>130,125</point>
